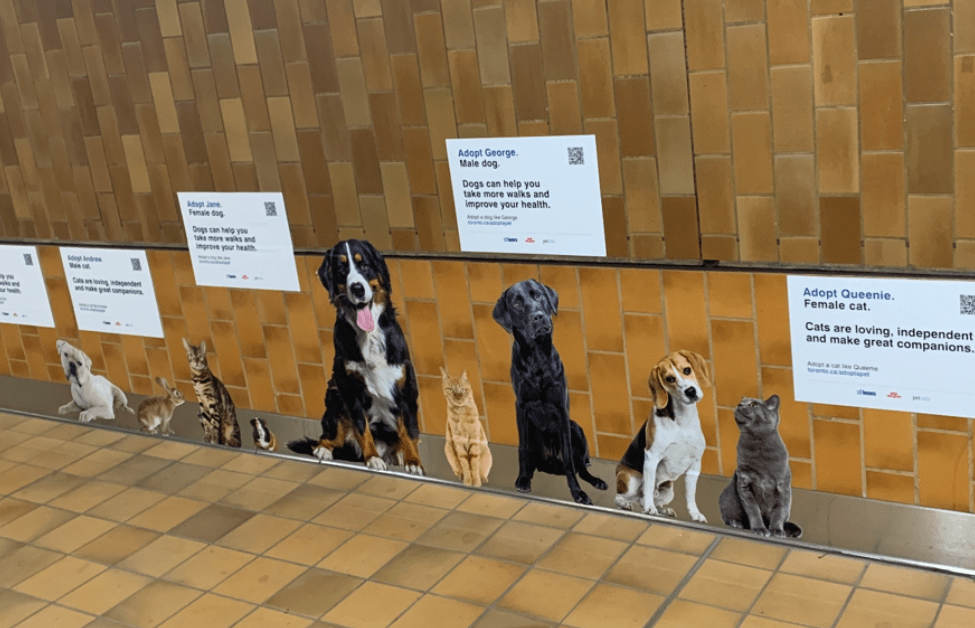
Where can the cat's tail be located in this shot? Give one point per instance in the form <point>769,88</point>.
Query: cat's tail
<point>304,446</point>
<point>792,530</point>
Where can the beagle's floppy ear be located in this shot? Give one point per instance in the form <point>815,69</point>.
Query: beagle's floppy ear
<point>501,314</point>
<point>699,365</point>
<point>551,295</point>
<point>657,390</point>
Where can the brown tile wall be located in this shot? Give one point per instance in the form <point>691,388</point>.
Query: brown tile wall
<point>273,350</point>
<point>792,131</point>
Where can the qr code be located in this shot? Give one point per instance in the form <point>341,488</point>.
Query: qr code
<point>576,157</point>
<point>28,259</point>
<point>967,303</point>
<point>136,264</point>
<point>270,208</point>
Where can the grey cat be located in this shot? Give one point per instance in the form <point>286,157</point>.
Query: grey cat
<point>759,496</point>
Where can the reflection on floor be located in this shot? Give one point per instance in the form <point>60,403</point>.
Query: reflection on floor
<point>103,529</point>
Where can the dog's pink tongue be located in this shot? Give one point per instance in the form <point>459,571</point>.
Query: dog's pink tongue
<point>363,319</point>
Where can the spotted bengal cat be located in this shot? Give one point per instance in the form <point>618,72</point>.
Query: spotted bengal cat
<point>217,415</point>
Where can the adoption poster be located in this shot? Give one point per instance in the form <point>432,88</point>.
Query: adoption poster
<point>528,195</point>
<point>23,295</point>
<point>111,291</point>
<point>889,344</point>
<point>239,240</point>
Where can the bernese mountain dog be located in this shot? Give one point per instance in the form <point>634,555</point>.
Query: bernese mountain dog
<point>371,400</point>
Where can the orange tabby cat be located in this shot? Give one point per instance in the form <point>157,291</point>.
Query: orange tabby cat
<point>467,445</point>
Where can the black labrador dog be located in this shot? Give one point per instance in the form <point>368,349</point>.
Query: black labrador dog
<point>549,440</point>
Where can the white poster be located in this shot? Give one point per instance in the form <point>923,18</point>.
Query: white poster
<point>23,295</point>
<point>528,195</point>
<point>239,240</point>
<point>890,344</point>
<point>111,291</point>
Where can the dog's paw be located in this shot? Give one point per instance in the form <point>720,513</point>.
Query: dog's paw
<point>66,409</point>
<point>376,463</point>
<point>599,484</point>
<point>415,468</point>
<point>524,485</point>
<point>322,453</point>
<point>623,503</point>
<point>668,512</point>
<point>86,417</point>
<point>580,497</point>
<point>650,510</point>
<point>696,516</point>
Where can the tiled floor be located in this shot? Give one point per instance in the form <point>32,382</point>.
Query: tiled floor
<point>103,529</point>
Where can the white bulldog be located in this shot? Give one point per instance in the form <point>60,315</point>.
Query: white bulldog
<point>93,395</point>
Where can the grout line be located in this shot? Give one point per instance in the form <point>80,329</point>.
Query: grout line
<point>669,599</point>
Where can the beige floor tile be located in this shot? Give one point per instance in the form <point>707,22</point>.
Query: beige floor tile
<point>962,592</point>
<point>29,448</point>
<point>751,553</point>
<point>61,456</point>
<point>388,486</point>
<point>418,567</point>
<point>173,478</point>
<point>8,546</point>
<point>460,531</point>
<point>250,464</point>
<point>153,604</point>
<point>583,555</point>
<point>823,566</point>
<point>74,534</point>
<point>6,464</point>
<point>161,555</point>
<point>211,523</point>
<point>12,439</point>
<point>215,485</point>
<point>677,539</point>
<point>133,444</point>
<point>955,617</point>
<point>211,456</point>
<point>607,605</point>
<point>360,610</point>
<point>126,504</point>
<point>258,580</point>
<point>753,621</point>
<point>59,578</point>
<point>11,509</point>
<point>56,616</point>
<point>726,585</point>
<point>24,562</point>
<point>504,619</point>
<point>167,514</point>
<point>314,593</point>
<point>117,544</point>
<point>97,463</point>
<point>135,470</point>
<point>491,505</point>
<point>902,581</point>
<point>258,533</point>
<point>438,495</point>
<point>259,493</point>
<point>35,426</point>
<point>885,609</point>
<point>309,544</point>
<point>669,569</point>
<point>433,610</point>
<point>87,496</point>
<point>804,600</point>
<point>532,595</point>
<point>362,555</point>
<point>35,523</point>
<point>269,618</point>
<point>99,438</point>
<point>683,614</point>
<point>49,487</point>
<point>479,580</point>
<point>171,450</point>
<point>305,502</point>
<point>104,591</point>
<point>104,622</point>
<point>611,526</point>
<point>208,567</point>
<point>405,522</point>
<point>354,511</point>
<point>15,478</point>
<point>520,542</point>
<point>548,515</point>
<point>293,471</point>
<point>339,478</point>
<point>212,611</point>
<point>15,607</point>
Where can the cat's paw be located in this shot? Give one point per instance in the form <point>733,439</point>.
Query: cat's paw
<point>697,516</point>
<point>414,468</point>
<point>762,531</point>
<point>779,533</point>
<point>376,463</point>
<point>322,453</point>
<point>735,524</point>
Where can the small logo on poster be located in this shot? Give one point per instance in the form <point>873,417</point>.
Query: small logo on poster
<point>231,276</point>
<point>244,277</point>
<point>547,241</point>
<point>894,395</point>
<point>916,398</point>
<point>511,239</point>
<point>530,240</point>
<point>869,393</point>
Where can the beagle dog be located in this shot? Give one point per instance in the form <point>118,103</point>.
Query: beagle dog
<point>670,444</point>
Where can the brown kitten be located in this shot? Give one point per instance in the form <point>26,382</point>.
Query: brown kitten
<point>466,445</point>
<point>218,415</point>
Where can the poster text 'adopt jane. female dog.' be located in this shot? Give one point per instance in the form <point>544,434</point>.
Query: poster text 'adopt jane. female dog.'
<point>536,195</point>
<point>889,344</point>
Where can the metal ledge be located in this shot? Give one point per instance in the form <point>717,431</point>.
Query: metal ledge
<point>899,534</point>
